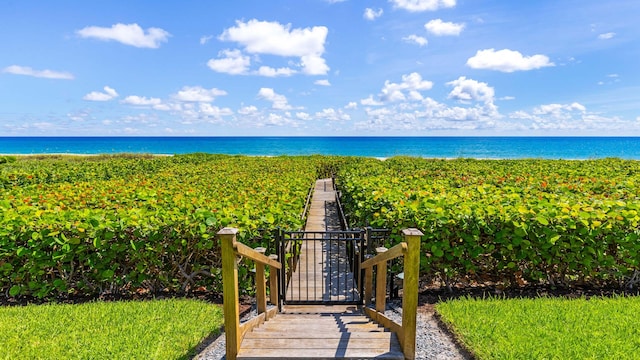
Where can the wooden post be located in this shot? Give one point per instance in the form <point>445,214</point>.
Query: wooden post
<point>273,282</point>
<point>410,291</point>
<point>368,285</point>
<point>231,307</point>
<point>261,289</point>
<point>381,283</point>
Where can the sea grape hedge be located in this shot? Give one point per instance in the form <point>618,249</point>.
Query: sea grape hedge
<point>90,225</point>
<point>509,221</point>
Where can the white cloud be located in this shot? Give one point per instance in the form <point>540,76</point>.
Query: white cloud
<point>558,109</point>
<point>322,82</point>
<point>333,115</point>
<point>108,94</point>
<point>507,61</point>
<point>351,105</point>
<point>141,101</point>
<point>214,111</point>
<point>468,89</point>
<point>371,14</point>
<point>205,39</point>
<point>271,72</point>
<point>335,1</point>
<point>438,27</point>
<point>606,36</point>
<point>423,5</point>
<point>233,62</point>
<point>303,116</point>
<point>279,102</point>
<point>248,110</point>
<point>370,101</point>
<point>198,94</point>
<point>411,84</point>
<point>415,39</point>
<point>273,38</point>
<point>47,74</point>
<point>131,34</point>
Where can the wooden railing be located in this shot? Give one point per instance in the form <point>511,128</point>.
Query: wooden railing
<point>410,249</point>
<point>231,251</point>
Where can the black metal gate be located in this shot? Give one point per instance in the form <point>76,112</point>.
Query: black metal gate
<point>321,267</point>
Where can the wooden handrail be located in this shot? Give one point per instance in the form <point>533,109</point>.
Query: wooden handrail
<point>410,249</point>
<point>244,250</point>
<point>231,249</point>
<point>394,252</point>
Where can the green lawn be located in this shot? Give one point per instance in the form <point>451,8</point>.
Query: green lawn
<point>546,328</point>
<point>161,329</point>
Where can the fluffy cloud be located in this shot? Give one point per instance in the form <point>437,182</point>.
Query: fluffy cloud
<point>411,85</point>
<point>108,94</point>
<point>606,36</point>
<point>415,39</point>
<point>47,74</point>
<point>232,62</point>
<point>507,61</point>
<point>278,101</point>
<point>323,82</point>
<point>423,5</point>
<point>333,115</point>
<point>198,94</point>
<point>438,27</point>
<point>303,116</point>
<point>371,14</point>
<point>558,109</point>
<point>573,117</point>
<point>271,72</point>
<point>141,101</point>
<point>131,34</point>
<point>213,111</point>
<point>248,110</point>
<point>273,38</point>
<point>351,105</point>
<point>370,101</point>
<point>468,89</point>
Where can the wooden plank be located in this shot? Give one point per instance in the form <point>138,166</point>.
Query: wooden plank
<point>394,252</point>
<point>410,291</point>
<point>261,289</point>
<point>384,321</point>
<point>248,252</point>
<point>348,353</point>
<point>381,286</point>
<point>343,342</point>
<point>327,335</point>
<point>231,308</point>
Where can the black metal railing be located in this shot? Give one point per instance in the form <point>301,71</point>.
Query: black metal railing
<point>321,267</point>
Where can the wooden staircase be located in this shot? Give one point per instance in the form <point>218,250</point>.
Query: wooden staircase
<point>320,332</point>
<point>308,331</point>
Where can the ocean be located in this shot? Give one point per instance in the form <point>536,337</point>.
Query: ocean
<point>382,147</point>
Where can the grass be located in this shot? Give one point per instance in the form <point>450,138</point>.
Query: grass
<point>546,328</point>
<point>160,329</point>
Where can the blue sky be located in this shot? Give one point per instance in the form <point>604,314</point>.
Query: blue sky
<point>320,67</point>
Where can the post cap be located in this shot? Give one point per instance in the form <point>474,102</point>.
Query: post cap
<point>412,232</point>
<point>228,231</point>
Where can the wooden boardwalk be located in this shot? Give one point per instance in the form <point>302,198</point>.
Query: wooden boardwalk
<point>322,272</point>
<point>320,331</point>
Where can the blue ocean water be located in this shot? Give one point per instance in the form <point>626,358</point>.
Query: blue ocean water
<point>430,147</point>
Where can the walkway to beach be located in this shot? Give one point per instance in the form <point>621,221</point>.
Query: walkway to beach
<point>321,331</point>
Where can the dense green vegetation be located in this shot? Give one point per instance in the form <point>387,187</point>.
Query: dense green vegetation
<point>514,221</point>
<point>162,329</point>
<point>126,223</point>
<point>546,328</point>
<point>90,225</point>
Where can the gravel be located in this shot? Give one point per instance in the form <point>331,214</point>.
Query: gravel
<point>432,342</point>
